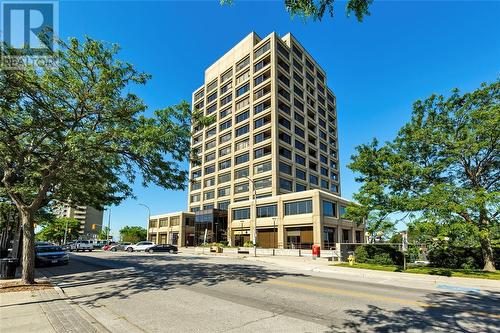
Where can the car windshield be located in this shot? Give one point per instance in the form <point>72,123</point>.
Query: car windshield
<point>46,249</point>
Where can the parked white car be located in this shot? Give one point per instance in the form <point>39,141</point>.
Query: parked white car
<point>81,245</point>
<point>141,246</point>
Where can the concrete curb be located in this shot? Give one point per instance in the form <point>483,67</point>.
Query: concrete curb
<point>85,315</point>
<point>407,280</point>
<point>81,311</point>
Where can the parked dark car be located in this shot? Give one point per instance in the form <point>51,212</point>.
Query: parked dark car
<point>50,255</point>
<point>119,247</point>
<point>162,248</point>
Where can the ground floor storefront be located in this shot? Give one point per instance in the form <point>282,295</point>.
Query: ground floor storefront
<point>289,221</point>
<point>293,221</point>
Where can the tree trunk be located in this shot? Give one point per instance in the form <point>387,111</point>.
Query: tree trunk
<point>28,262</point>
<point>488,256</point>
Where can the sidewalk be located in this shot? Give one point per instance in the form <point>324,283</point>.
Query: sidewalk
<point>408,280</point>
<point>43,311</point>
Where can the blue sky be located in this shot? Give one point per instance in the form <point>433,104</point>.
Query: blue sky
<point>403,52</point>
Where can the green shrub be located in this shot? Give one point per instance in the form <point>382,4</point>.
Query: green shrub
<point>381,259</point>
<point>248,244</point>
<point>381,254</point>
<point>360,254</point>
<point>455,257</point>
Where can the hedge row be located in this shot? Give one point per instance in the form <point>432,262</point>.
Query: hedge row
<point>460,257</point>
<point>444,257</point>
<point>378,254</point>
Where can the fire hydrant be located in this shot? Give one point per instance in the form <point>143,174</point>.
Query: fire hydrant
<point>351,260</point>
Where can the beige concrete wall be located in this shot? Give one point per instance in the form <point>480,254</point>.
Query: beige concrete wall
<point>155,230</point>
<point>316,220</point>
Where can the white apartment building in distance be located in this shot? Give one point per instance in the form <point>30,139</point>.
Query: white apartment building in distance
<point>90,218</point>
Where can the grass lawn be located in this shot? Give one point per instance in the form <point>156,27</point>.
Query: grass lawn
<point>427,270</point>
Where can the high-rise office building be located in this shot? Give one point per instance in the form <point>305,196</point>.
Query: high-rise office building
<point>267,168</point>
<point>276,125</point>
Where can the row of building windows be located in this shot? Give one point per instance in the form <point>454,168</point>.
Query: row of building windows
<point>164,222</point>
<point>283,50</point>
<point>226,177</point>
<point>291,208</point>
<point>245,88</point>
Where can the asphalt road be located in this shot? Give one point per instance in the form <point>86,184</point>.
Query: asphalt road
<point>139,292</point>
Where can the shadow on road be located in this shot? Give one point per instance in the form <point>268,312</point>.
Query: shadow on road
<point>452,312</point>
<point>132,274</point>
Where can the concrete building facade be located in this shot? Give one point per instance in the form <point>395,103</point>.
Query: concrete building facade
<point>90,218</point>
<point>173,228</point>
<point>276,127</point>
<point>274,143</point>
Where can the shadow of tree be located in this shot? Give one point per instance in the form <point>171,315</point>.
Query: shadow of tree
<point>133,274</point>
<point>452,312</point>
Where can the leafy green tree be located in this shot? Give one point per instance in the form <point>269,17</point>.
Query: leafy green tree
<point>104,233</point>
<point>77,132</point>
<point>378,226</point>
<point>443,165</point>
<point>53,230</point>
<point>316,9</point>
<point>132,234</point>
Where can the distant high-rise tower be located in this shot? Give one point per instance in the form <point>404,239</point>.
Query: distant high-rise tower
<point>89,217</point>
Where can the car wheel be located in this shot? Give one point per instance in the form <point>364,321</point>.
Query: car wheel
<point>113,249</point>
<point>171,251</point>
<point>151,251</point>
<point>130,249</point>
<point>90,250</point>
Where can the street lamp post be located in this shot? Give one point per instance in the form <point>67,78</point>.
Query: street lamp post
<point>149,215</point>
<point>255,214</point>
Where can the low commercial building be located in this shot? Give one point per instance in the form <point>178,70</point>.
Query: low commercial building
<point>294,220</point>
<point>173,228</point>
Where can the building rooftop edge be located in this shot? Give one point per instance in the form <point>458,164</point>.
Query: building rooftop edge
<point>169,214</point>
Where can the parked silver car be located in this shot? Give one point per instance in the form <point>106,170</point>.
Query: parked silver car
<point>119,247</point>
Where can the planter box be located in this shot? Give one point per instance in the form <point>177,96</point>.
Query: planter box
<point>245,250</point>
<point>216,249</point>
<point>230,250</point>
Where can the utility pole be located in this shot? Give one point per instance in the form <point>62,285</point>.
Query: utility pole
<point>109,226</point>
<point>65,232</point>
<point>149,218</point>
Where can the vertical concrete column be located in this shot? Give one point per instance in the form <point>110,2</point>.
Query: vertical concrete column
<point>316,219</point>
<point>353,235</point>
<point>280,225</point>
<point>339,233</point>
<point>253,220</point>
<point>230,236</point>
<point>182,223</point>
